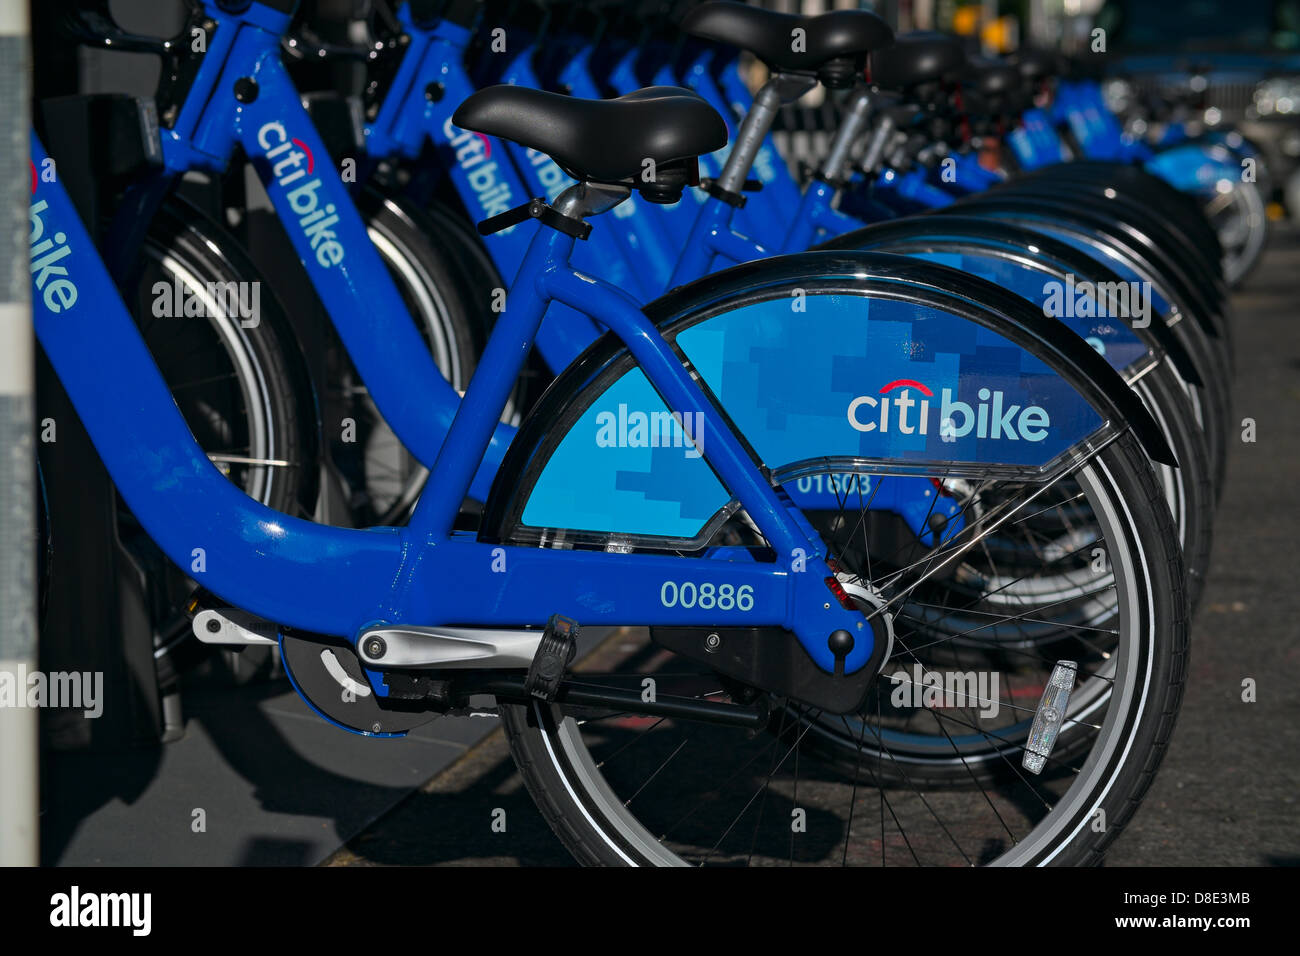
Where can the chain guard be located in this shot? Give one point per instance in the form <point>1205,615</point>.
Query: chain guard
<point>328,675</point>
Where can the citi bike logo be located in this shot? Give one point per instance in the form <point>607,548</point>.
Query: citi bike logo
<point>57,289</point>
<point>318,223</point>
<point>990,417</point>
<point>474,157</point>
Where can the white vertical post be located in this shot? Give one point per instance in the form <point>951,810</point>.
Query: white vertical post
<point>19,740</point>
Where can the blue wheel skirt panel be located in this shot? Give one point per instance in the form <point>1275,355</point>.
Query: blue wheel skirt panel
<point>1159,304</point>
<point>647,481</point>
<point>1109,336</point>
<point>1195,167</point>
<point>848,377</point>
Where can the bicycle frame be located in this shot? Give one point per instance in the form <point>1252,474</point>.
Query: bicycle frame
<point>410,117</point>
<point>242,97</point>
<point>490,175</point>
<point>1190,165</point>
<point>338,581</point>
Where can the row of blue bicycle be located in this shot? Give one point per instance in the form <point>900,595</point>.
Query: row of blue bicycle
<point>844,515</point>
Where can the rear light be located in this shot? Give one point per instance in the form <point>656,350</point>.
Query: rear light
<point>841,595</point>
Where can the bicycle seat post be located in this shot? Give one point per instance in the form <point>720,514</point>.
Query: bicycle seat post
<point>881,136</point>
<point>590,199</point>
<point>777,91</point>
<point>799,52</point>
<point>835,169</point>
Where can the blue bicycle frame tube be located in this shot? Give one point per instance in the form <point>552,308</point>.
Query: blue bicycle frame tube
<point>1035,142</point>
<point>969,176</point>
<point>338,581</point>
<point>713,237</point>
<point>817,218</point>
<point>430,83</point>
<point>269,122</point>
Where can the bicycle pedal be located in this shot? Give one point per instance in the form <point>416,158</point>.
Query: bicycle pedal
<point>555,652</point>
<point>1049,717</point>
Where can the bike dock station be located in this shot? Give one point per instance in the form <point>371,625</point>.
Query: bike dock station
<point>631,433</point>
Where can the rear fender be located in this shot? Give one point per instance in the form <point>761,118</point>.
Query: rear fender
<point>810,356</point>
<point>996,251</point>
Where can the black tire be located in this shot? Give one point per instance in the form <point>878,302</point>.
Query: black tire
<point>242,388</point>
<point>383,479</point>
<point>1163,394</point>
<point>1246,203</point>
<point>1208,354</point>
<point>1194,526</point>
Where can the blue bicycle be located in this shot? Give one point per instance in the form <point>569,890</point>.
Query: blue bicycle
<point>433,60</point>
<point>1212,168</point>
<point>436,51</point>
<point>659,485</point>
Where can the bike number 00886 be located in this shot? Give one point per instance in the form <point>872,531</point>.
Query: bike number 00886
<point>707,595</point>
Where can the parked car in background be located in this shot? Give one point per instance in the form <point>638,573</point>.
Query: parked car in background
<point>1218,67</point>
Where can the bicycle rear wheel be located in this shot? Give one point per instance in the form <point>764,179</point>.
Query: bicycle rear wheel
<point>974,566</point>
<point>634,791</point>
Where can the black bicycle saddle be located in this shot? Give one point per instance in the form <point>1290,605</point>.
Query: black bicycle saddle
<point>841,35</point>
<point>916,58</point>
<point>600,140</point>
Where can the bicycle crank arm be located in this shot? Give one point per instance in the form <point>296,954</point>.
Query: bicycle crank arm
<point>448,647</point>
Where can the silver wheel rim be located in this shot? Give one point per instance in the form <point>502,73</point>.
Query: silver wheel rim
<point>628,839</point>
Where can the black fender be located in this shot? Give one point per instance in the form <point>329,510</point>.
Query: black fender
<point>824,272</point>
<point>1132,243</point>
<point>954,232</point>
<point>1143,186</point>
<point>1145,214</point>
